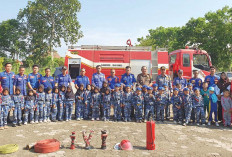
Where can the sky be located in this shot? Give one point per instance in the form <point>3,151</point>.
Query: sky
<point>112,22</point>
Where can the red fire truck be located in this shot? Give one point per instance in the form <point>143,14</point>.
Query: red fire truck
<point>118,57</point>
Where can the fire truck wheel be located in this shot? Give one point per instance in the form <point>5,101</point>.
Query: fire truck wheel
<point>47,146</point>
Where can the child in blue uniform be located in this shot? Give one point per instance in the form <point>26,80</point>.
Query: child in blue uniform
<point>127,103</point>
<point>117,102</point>
<point>198,106</point>
<point>18,106</point>
<point>48,104</point>
<point>95,104</point>
<point>79,108</point>
<point>155,89</point>
<point>149,100</point>
<point>69,103</point>
<point>61,107</point>
<point>5,108</point>
<point>212,106</point>
<point>106,102</point>
<point>29,107</point>
<point>87,100</point>
<point>187,106</point>
<point>138,105</point>
<point>176,102</point>
<point>161,101</point>
<point>40,105</point>
<point>55,103</point>
<point>167,93</point>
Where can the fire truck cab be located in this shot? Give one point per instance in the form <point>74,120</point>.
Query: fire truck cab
<point>189,60</point>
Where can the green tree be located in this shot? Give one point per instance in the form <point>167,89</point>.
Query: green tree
<point>12,39</point>
<point>49,21</point>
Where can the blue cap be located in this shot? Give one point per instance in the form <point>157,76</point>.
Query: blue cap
<point>144,86</point>
<point>128,86</point>
<point>149,88</point>
<point>155,85</point>
<point>138,88</point>
<point>165,84</point>
<point>176,89</point>
<point>196,88</point>
<point>117,85</point>
<point>189,84</point>
<point>186,89</point>
<point>211,89</point>
<point>161,88</point>
<point>180,71</point>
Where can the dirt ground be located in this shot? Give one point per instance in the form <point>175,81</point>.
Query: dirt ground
<point>171,139</point>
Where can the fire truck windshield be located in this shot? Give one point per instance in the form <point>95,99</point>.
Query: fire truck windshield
<point>201,61</point>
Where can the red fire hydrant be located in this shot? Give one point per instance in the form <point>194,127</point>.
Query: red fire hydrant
<point>73,137</point>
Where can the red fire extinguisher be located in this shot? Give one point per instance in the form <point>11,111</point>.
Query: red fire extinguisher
<point>150,135</point>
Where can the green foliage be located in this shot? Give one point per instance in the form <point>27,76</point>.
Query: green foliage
<point>48,22</point>
<point>211,32</point>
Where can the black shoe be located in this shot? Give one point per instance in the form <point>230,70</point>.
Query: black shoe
<point>19,124</point>
<point>53,120</point>
<point>13,125</point>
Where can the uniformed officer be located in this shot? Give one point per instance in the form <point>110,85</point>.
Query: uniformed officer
<point>82,79</point>
<point>196,81</point>
<point>7,78</point>
<point>212,79</point>
<point>47,80</point>
<point>98,78</point>
<point>33,78</point>
<point>112,79</point>
<point>64,78</point>
<point>163,78</point>
<point>128,78</point>
<point>180,80</point>
<point>144,78</point>
<point>20,81</point>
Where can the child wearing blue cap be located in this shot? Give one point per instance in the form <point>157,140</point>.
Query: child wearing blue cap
<point>176,102</point>
<point>138,103</point>
<point>149,104</point>
<point>155,89</point>
<point>167,94</point>
<point>144,89</point>
<point>127,103</point>
<point>187,106</point>
<point>178,86</point>
<point>212,106</point>
<point>117,102</point>
<point>161,101</point>
<point>198,107</point>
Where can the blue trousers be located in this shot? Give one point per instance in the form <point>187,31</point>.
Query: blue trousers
<point>213,110</point>
<point>79,110</point>
<point>167,111</point>
<point>177,114</point>
<point>117,111</point>
<point>149,111</point>
<point>17,115</point>
<point>106,112</point>
<point>138,112</point>
<point>68,109</point>
<point>48,105</point>
<point>95,111</point>
<point>187,112</point>
<point>86,110</point>
<point>39,112</point>
<point>54,111</point>
<point>60,111</point>
<point>127,112</point>
<point>200,114</point>
<point>160,112</point>
<point>29,112</point>
<point>3,115</point>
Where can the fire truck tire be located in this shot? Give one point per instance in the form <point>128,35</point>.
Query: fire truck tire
<point>47,146</point>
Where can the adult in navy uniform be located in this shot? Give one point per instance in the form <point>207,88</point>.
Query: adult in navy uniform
<point>81,79</point>
<point>33,79</point>
<point>64,78</point>
<point>180,80</point>
<point>112,79</point>
<point>163,78</point>
<point>7,78</point>
<point>128,78</point>
<point>98,78</point>
<point>47,80</point>
<point>20,81</point>
<point>196,81</point>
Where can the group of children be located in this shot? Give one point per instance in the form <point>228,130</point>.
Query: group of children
<point>92,103</point>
